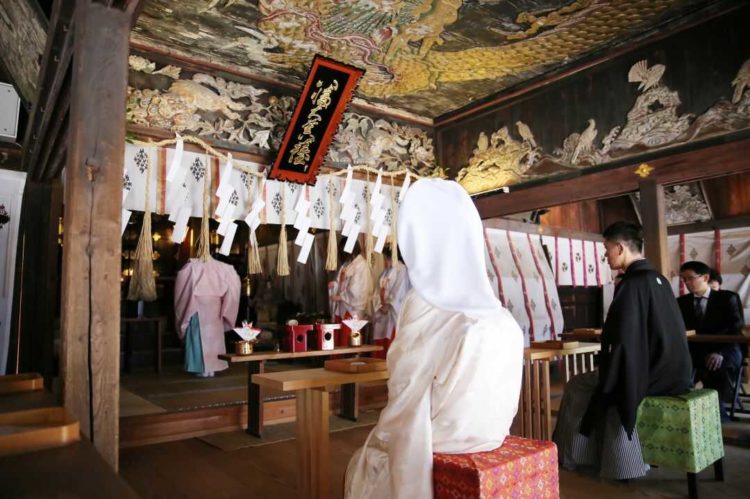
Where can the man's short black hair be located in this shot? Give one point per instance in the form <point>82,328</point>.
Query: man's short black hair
<point>699,268</point>
<point>713,275</point>
<point>626,233</point>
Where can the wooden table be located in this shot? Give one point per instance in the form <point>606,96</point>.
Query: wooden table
<point>719,338</point>
<point>588,337</point>
<point>534,407</point>
<point>256,365</point>
<point>312,387</point>
<point>582,355</point>
<point>161,326</point>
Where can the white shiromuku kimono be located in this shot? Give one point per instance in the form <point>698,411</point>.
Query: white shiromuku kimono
<point>354,288</point>
<point>207,297</point>
<point>387,302</point>
<point>456,362</point>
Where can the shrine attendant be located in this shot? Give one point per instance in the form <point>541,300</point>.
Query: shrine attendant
<point>206,302</point>
<point>393,286</point>
<point>354,287</point>
<point>455,364</point>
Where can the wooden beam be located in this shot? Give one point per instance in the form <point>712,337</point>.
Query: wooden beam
<point>57,135</point>
<point>52,75</point>
<point>57,162</point>
<point>710,225</point>
<point>544,230</point>
<point>34,325</point>
<point>654,225</point>
<point>675,165</point>
<point>90,348</point>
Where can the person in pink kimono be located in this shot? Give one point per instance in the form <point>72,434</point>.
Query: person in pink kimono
<point>206,300</point>
<point>387,300</point>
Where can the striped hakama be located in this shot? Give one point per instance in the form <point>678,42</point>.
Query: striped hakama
<point>607,450</point>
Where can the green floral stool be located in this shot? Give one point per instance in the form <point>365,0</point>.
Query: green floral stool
<point>683,433</point>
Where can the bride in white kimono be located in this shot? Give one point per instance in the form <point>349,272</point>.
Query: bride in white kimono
<point>455,365</point>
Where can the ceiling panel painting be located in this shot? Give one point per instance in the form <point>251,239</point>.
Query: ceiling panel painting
<point>427,57</point>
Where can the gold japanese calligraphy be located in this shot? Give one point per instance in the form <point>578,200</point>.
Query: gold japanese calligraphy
<point>321,98</point>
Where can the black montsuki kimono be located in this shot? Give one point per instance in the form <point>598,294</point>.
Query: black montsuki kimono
<point>644,347</point>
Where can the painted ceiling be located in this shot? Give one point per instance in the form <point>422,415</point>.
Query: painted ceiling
<point>426,57</point>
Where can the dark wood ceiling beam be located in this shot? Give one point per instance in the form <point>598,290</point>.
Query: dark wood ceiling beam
<point>710,225</point>
<point>677,165</point>
<point>57,125</point>
<point>57,161</point>
<point>54,68</point>
<point>58,153</point>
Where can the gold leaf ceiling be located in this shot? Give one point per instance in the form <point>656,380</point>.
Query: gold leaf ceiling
<point>426,57</point>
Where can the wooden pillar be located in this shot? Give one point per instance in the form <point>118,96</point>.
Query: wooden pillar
<point>93,198</point>
<point>654,224</point>
<point>37,271</point>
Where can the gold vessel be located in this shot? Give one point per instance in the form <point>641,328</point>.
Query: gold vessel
<point>243,347</point>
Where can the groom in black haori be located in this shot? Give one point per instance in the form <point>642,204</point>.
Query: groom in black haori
<point>644,352</point>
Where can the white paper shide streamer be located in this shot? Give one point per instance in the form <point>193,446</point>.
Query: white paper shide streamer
<point>179,201</point>
<point>379,229</point>
<point>302,223</point>
<point>349,213</point>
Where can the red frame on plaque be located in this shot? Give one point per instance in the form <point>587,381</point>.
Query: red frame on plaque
<point>328,90</point>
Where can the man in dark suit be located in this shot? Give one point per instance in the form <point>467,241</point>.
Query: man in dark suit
<point>708,311</point>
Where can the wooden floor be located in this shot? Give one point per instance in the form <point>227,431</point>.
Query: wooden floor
<point>192,469</point>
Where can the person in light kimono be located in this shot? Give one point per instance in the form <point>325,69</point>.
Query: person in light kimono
<point>387,301</point>
<point>353,288</point>
<point>206,302</point>
<point>455,365</point>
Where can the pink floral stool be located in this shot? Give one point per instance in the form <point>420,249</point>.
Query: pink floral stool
<point>521,468</point>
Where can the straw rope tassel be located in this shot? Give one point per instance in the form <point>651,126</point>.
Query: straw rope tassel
<point>332,259</point>
<point>204,248</point>
<point>142,284</point>
<point>394,220</point>
<point>368,235</point>
<point>282,262</point>
<point>253,256</point>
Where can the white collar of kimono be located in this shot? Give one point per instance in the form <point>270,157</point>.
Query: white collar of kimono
<point>441,238</point>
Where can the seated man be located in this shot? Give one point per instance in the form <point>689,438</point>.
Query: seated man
<point>644,352</point>
<point>712,312</point>
<point>456,362</point>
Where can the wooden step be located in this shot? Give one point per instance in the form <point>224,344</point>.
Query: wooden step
<point>169,426</point>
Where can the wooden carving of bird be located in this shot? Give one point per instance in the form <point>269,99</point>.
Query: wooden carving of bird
<point>585,141</point>
<point>648,77</point>
<point>525,132</point>
<point>741,81</point>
